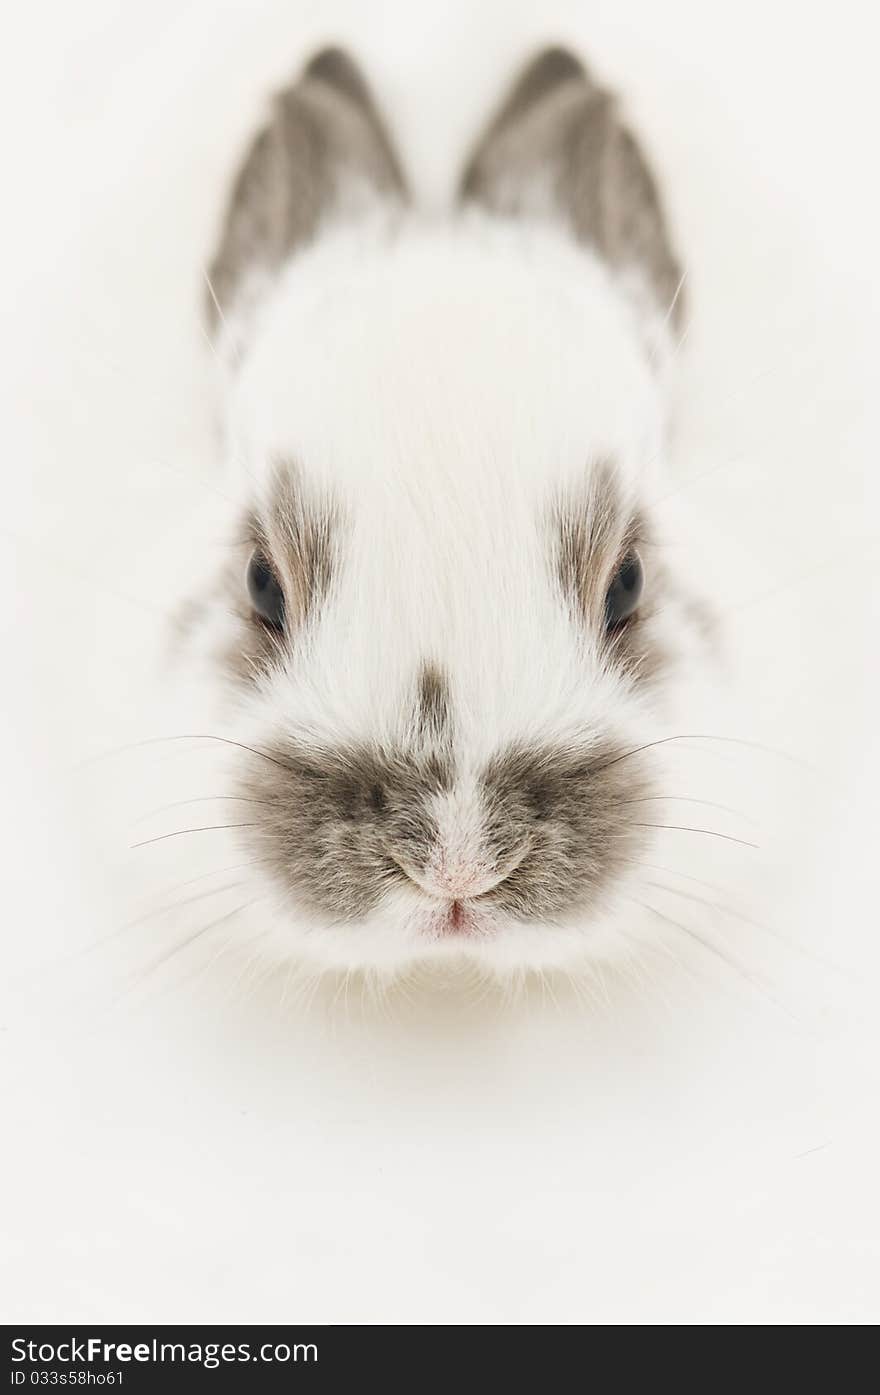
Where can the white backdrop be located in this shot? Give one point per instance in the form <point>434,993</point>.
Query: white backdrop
<point>180,1147</point>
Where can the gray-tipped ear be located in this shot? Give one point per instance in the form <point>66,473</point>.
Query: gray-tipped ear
<point>325,150</point>
<point>557,145</point>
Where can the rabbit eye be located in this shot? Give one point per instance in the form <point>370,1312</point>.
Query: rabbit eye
<point>264,589</point>
<point>625,591</point>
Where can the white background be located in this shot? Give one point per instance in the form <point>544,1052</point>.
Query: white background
<point>699,1148</point>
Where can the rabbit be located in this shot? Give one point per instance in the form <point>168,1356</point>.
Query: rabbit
<point>450,652</point>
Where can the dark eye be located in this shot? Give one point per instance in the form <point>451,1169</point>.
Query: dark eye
<point>625,591</point>
<point>265,592</point>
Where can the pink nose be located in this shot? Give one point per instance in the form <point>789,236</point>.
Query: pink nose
<point>460,882</point>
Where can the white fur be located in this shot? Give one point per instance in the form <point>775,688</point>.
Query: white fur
<point>445,382</point>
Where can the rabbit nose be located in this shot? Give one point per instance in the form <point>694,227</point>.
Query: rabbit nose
<point>461,881</point>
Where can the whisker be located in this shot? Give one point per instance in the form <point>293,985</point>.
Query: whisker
<point>77,955</point>
<point>697,478</point>
<point>204,828</point>
<point>674,301</point>
<point>686,876</point>
<point>191,939</point>
<point>213,348</point>
<point>192,479</point>
<point>747,920</point>
<point>226,741</point>
<point>202,799</point>
<point>244,866</point>
<point>165,909</point>
<point>811,574</point>
<point>687,799</point>
<point>731,963</point>
<point>790,583</point>
<point>709,832</point>
<point>201,970</point>
<point>704,736</point>
<point>223,320</point>
<point>682,340</point>
<point>185,736</point>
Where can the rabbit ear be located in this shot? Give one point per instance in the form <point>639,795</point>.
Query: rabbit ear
<point>325,150</point>
<point>557,146</point>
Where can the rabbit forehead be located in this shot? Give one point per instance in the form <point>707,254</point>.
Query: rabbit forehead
<point>441,396</point>
<point>481,358</point>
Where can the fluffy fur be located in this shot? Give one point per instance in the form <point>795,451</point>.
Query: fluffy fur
<point>445,437</point>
